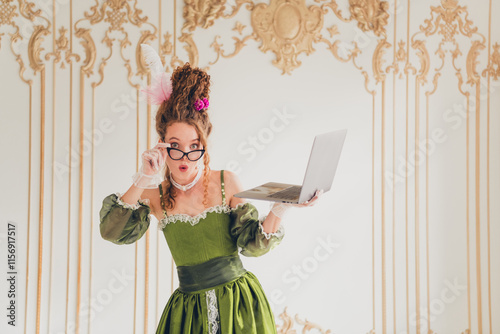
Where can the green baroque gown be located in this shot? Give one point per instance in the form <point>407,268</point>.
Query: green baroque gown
<point>215,294</point>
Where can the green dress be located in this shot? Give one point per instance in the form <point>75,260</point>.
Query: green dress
<point>216,294</point>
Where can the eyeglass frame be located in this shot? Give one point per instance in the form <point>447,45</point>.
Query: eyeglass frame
<point>185,153</point>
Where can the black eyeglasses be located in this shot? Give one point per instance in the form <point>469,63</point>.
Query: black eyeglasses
<point>176,154</point>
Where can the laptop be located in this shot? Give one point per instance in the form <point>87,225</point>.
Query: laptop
<point>321,168</point>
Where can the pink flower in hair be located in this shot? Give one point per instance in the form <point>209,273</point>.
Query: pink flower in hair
<point>201,104</point>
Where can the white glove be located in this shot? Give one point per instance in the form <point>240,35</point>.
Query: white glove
<point>280,209</point>
<point>153,160</point>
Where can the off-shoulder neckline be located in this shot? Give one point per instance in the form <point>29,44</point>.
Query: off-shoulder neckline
<point>193,220</point>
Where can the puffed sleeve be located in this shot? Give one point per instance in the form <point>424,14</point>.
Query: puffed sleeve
<point>248,233</point>
<point>123,223</point>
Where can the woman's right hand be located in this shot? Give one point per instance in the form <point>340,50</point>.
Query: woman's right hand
<point>154,159</point>
<point>148,176</point>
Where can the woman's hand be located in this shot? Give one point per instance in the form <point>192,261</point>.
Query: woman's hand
<point>312,201</point>
<point>279,209</point>
<point>153,160</point>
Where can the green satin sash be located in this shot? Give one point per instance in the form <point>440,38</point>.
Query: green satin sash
<point>210,273</point>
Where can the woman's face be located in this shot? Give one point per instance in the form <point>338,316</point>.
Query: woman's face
<point>184,137</point>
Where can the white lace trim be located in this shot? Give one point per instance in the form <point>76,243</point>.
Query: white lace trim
<point>193,220</point>
<point>213,312</point>
<point>131,206</point>
<point>279,233</point>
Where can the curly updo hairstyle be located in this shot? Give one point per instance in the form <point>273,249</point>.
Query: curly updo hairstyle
<point>188,85</point>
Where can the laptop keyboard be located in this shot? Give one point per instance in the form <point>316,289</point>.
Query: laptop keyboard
<point>289,193</point>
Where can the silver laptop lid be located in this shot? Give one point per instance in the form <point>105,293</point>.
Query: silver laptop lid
<point>322,164</point>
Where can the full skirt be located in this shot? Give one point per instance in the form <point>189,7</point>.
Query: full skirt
<point>239,307</point>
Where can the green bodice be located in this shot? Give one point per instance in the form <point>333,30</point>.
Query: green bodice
<point>217,231</point>
<point>193,240</point>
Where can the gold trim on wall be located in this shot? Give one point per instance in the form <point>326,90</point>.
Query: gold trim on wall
<point>116,13</point>
<point>289,323</point>
<point>287,28</point>
<point>372,15</point>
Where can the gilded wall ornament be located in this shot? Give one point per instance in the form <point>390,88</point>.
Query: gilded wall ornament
<point>142,68</point>
<point>90,49</point>
<point>201,13</point>
<point>399,58</point>
<point>425,60</point>
<point>167,46</point>
<point>191,48</point>
<point>493,68</point>
<point>26,10</point>
<point>239,27</point>
<point>116,13</point>
<point>287,28</point>
<point>378,60</point>
<point>238,45</point>
<point>371,15</point>
<point>289,324</point>
<point>332,4</point>
<point>204,13</point>
<point>472,75</point>
<point>62,45</point>
<point>34,48</point>
<point>450,19</point>
<point>7,12</point>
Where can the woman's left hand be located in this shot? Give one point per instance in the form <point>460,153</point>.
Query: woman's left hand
<point>312,201</point>
<point>279,209</point>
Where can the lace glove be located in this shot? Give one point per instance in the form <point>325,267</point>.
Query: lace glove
<point>280,209</point>
<point>153,161</point>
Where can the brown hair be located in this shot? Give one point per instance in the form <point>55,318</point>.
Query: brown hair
<point>188,85</point>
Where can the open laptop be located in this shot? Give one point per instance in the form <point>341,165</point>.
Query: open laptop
<point>321,168</point>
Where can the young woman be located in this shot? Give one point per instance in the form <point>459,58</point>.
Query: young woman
<point>204,225</point>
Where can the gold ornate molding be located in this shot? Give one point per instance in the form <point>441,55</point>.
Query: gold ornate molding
<point>142,68</point>
<point>377,60</point>
<point>238,45</point>
<point>399,58</point>
<point>116,13</point>
<point>62,45</point>
<point>167,47</point>
<point>90,49</point>
<point>287,28</point>
<point>7,13</point>
<point>493,68</point>
<point>472,75</point>
<point>449,20</point>
<point>289,324</point>
<point>26,10</point>
<point>371,15</point>
<point>34,48</point>
<point>332,4</point>
<point>201,13</point>
<point>446,15</point>
<point>423,56</point>
<point>204,13</point>
<point>191,48</point>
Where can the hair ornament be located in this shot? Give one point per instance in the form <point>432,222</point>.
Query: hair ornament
<point>201,104</point>
<point>161,88</point>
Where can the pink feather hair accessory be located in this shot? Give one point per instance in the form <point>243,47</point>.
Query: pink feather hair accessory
<point>160,90</point>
